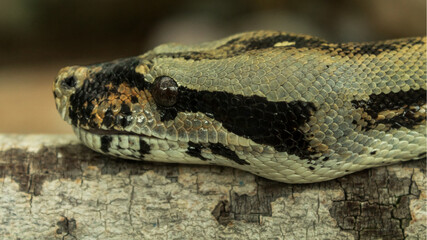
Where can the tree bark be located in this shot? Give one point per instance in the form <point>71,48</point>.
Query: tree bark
<point>52,187</point>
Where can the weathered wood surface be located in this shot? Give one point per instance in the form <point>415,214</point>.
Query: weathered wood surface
<point>52,187</point>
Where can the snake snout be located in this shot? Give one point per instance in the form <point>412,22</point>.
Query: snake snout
<point>65,85</point>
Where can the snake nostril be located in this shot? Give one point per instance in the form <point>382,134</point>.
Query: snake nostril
<point>69,82</point>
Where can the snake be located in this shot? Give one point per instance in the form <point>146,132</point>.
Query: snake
<point>287,107</point>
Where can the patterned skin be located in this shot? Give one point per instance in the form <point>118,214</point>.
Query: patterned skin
<point>291,108</point>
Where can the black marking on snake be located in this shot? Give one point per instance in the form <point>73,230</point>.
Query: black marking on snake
<point>108,118</point>
<point>195,150</point>
<point>115,72</point>
<point>119,71</point>
<point>219,149</point>
<point>408,101</point>
<point>193,55</point>
<point>134,99</point>
<point>370,48</point>
<point>125,117</point>
<point>269,42</point>
<point>69,82</point>
<point>105,143</point>
<point>125,109</point>
<point>144,148</point>
<point>123,120</point>
<point>239,46</point>
<point>363,48</point>
<point>275,124</point>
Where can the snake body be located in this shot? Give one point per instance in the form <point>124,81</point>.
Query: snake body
<point>287,107</point>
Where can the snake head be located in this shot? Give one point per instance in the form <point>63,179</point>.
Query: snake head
<point>287,107</point>
<point>131,97</point>
<point>110,97</point>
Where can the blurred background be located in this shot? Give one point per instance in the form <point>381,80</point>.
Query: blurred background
<point>38,37</point>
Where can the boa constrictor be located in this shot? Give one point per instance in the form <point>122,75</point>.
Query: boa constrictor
<point>291,108</point>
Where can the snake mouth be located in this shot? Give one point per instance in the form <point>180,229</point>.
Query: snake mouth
<point>112,132</point>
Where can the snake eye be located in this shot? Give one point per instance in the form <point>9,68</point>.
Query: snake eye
<point>164,91</point>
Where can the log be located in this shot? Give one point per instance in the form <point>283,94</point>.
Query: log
<point>53,187</point>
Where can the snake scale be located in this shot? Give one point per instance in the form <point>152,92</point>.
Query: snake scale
<point>287,107</point>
